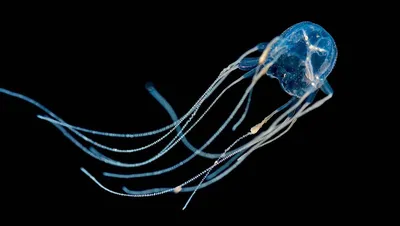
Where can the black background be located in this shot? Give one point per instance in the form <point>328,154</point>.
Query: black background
<point>90,66</point>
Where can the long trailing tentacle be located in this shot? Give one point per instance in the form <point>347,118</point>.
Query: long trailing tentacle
<point>224,73</point>
<point>211,168</point>
<point>165,170</point>
<point>210,140</point>
<point>160,191</point>
<point>175,140</point>
<point>255,143</point>
<point>273,129</point>
<point>217,174</point>
<point>254,81</point>
<point>169,146</point>
<point>193,110</point>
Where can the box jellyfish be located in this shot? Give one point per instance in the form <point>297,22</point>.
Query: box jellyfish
<point>300,59</point>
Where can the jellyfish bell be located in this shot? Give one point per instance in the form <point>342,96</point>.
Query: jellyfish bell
<point>304,56</point>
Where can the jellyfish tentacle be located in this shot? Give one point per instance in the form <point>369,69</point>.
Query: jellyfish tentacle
<point>108,148</point>
<point>160,192</point>
<point>215,177</point>
<point>212,87</point>
<point>261,143</point>
<point>211,168</point>
<point>223,74</point>
<point>221,169</point>
<point>244,147</point>
<point>328,90</point>
<point>248,63</point>
<point>174,142</point>
<point>261,46</point>
<point>164,103</point>
<point>213,180</point>
<point>154,173</point>
<point>105,147</point>
<point>267,141</point>
<point>219,173</point>
<point>264,137</point>
<point>237,124</point>
<point>205,145</point>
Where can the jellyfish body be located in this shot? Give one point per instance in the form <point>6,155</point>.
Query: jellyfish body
<point>300,59</point>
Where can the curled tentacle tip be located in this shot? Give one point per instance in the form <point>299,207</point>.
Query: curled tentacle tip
<point>149,86</point>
